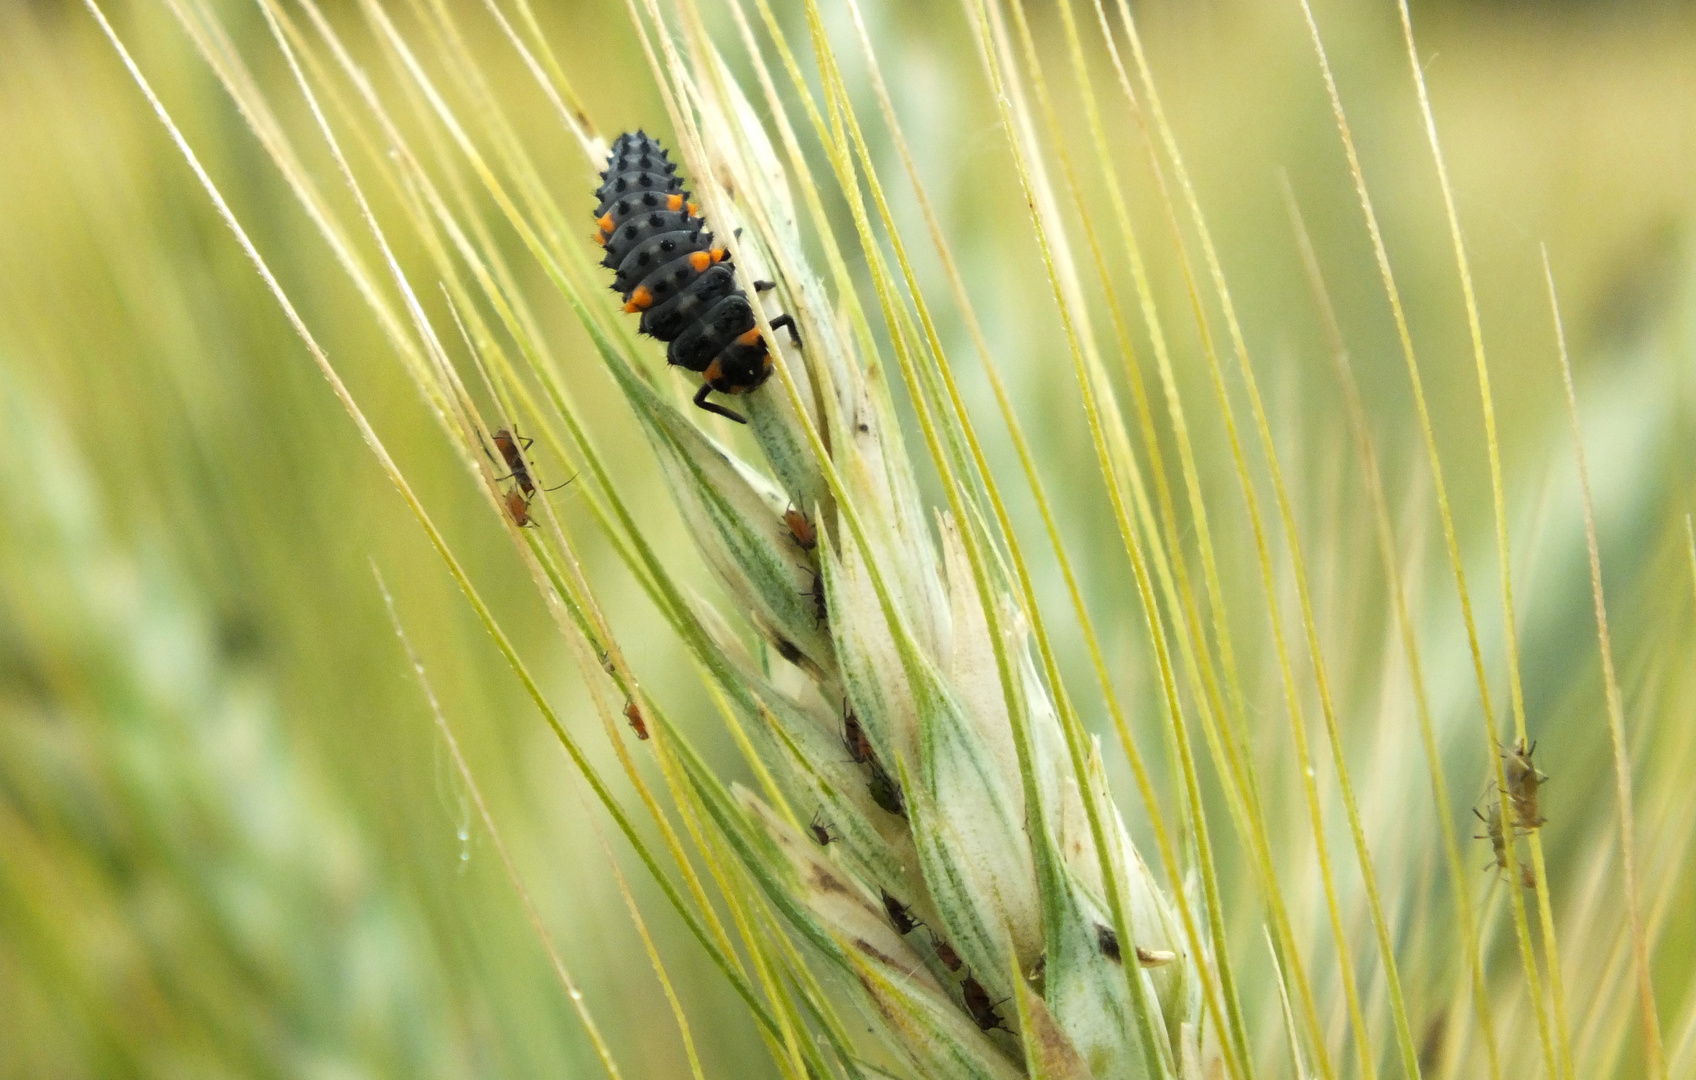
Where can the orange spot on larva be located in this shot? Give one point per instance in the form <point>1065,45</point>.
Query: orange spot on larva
<point>639,300</point>
<point>606,222</point>
<point>719,254</point>
<point>749,338</point>
<point>674,202</point>
<point>694,209</point>
<point>700,260</point>
<point>711,375</point>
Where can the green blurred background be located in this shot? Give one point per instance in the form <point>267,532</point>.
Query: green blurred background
<point>230,840</point>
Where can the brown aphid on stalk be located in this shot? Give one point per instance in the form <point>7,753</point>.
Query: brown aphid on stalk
<point>854,737</point>
<point>816,595</point>
<point>822,830</point>
<point>518,508</point>
<point>982,1009</point>
<point>945,953</point>
<point>1523,782</point>
<point>806,537</point>
<point>886,792</point>
<point>633,713</point>
<point>898,914</point>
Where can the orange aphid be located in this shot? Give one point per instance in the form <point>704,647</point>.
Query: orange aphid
<point>633,713</point>
<point>518,507</point>
<point>801,529</point>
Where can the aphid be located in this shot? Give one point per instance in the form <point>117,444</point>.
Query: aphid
<point>854,737</point>
<point>511,447</point>
<point>1523,781</point>
<point>816,594</point>
<point>822,830</point>
<point>801,529</point>
<point>886,792</point>
<point>899,915</point>
<point>1150,958</point>
<point>979,1005</point>
<point>633,713</point>
<point>1498,837</point>
<point>667,267</point>
<point>518,508</point>
<point>1107,940</point>
<point>945,953</point>
<point>1494,833</point>
<point>789,650</point>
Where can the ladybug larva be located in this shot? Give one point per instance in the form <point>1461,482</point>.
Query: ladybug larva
<point>668,267</point>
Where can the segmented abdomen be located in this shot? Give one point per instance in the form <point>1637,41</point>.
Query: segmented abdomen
<point>664,261</point>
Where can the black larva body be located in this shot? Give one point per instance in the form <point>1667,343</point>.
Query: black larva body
<point>667,267</point>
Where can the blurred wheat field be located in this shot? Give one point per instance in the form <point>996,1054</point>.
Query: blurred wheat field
<point>232,838</point>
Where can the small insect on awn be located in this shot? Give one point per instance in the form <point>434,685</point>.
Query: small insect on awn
<point>899,915</point>
<point>1498,837</point>
<point>979,1005</point>
<point>945,953</point>
<point>511,447</point>
<point>806,537</point>
<point>1494,833</point>
<point>1523,781</point>
<point>633,713</point>
<point>886,792</point>
<point>518,508</point>
<point>822,830</point>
